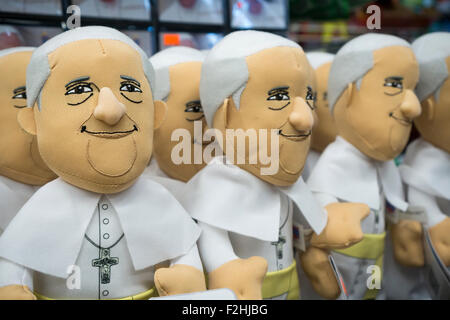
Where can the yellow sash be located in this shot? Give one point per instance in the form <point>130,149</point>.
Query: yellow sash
<point>140,296</point>
<point>280,282</point>
<point>371,247</point>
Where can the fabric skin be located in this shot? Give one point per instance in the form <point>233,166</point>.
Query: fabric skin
<point>84,150</point>
<point>184,109</point>
<point>374,120</point>
<point>378,121</point>
<point>19,156</point>
<point>290,114</point>
<point>324,131</point>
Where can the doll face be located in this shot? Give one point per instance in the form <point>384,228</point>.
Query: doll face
<point>19,155</point>
<point>434,123</point>
<point>324,131</point>
<point>95,126</point>
<point>377,118</point>
<point>184,109</point>
<point>276,97</point>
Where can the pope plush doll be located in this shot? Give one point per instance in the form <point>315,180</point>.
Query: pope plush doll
<point>255,87</point>
<point>371,98</point>
<point>99,230</point>
<point>178,143</point>
<point>324,130</point>
<point>22,170</point>
<point>426,172</point>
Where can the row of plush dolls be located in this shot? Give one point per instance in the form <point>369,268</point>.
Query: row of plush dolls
<point>114,186</point>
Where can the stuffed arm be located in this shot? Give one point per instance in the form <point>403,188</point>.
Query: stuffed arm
<point>16,281</point>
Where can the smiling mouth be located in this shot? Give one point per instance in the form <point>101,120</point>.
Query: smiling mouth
<point>401,120</point>
<point>295,137</point>
<point>109,134</point>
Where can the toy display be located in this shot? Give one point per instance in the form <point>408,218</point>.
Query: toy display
<point>22,169</point>
<point>247,214</point>
<point>371,98</point>
<point>258,14</point>
<point>108,232</point>
<point>193,11</point>
<point>129,9</point>
<point>426,172</point>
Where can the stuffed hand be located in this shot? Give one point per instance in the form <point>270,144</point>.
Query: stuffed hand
<point>179,279</point>
<point>243,276</point>
<point>440,236</point>
<point>343,228</point>
<point>16,292</point>
<point>407,243</point>
<point>317,268</point>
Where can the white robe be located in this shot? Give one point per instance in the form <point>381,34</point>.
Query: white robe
<point>243,216</point>
<point>64,225</point>
<point>426,173</point>
<point>13,196</point>
<point>345,174</point>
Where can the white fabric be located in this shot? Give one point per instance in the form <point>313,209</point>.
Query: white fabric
<point>311,160</point>
<point>56,218</point>
<point>13,196</point>
<point>229,198</point>
<point>431,51</point>
<point>427,168</point>
<point>345,173</point>
<point>318,58</point>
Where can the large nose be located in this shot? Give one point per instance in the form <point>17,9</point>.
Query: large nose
<point>109,109</point>
<point>410,106</point>
<point>301,117</point>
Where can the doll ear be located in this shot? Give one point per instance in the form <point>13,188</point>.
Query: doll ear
<point>25,117</point>
<point>428,108</point>
<point>160,113</point>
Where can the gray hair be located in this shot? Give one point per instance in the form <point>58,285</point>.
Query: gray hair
<point>354,60</point>
<point>166,58</point>
<point>8,51</point>
<point>225,71</point>
<point>431,51</point>
<point>38,70</point>
<point>318,58</point>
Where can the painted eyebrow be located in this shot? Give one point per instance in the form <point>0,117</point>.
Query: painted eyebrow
<point>130,79</point>
<point>277,89</point>
<point>394,78</point>
<point>84,78</point>
<point>19,89</point>
<point>193,102</point>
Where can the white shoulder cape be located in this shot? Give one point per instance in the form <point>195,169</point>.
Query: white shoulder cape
<point>347,174</point>
<point>427,168</point>
<point>229,198</point>
<point>47,233</point>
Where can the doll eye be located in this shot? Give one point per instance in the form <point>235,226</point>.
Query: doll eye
<point>310,98</point>
<point>279,96</point>
<point>130,87</point>
<point>193,106</point>
<point>394,85</point>
<point>19,93</point>
<point>79,89</point>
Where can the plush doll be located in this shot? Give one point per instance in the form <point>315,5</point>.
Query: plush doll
<point>22,169</point>
<point>324,130</point>
<point>254,85</point>
<point>371,98</point>
<point>177,71</point>
<point>99,230</point>
<point>426,172</point>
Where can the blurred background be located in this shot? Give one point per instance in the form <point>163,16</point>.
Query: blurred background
<point>157,24</point>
